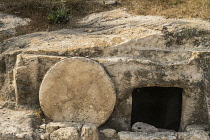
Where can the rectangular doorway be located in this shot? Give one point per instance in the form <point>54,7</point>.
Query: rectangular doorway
<point>157,106</point>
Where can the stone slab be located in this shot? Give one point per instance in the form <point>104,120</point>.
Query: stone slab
<point>79,90</point>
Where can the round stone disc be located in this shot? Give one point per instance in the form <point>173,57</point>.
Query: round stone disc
<point>77,89</point>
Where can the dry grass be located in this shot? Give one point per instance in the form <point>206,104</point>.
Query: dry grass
<point>170,8</point>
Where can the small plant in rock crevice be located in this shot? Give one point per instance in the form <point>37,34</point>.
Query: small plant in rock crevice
<point>60,15</point>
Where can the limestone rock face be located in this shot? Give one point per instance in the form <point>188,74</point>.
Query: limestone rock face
<point>109,133</point>
<point>143,127</point>
<point>8,23</point>
<point>147,136</point>
<point>68,133</point>
<point>110,2</point>
<point>195,127</point>
<point>77,89</point>
<point>27,72</point>
<point>89,132</point>
<point>17,124</point>
<point>193,135</point>
<point>71,131</point>
<point>135,51</point>
<point>53,126</point>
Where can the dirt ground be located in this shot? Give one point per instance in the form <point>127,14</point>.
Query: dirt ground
<point>39,10</point>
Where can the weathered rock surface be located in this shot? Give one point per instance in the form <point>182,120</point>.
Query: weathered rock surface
<point>196,127</point>
<point>71,131</point>
<point>103,33</point>
<point>109,133</point>
<point>52,126</point>
<point>68,133</point>
<point>79,90</point>
<point>135,51</point>
<point>89,132</point>
<point>8,23</point>
<point>195,135</point>
<point>28,74</point>
<point>110,2</point>
<point>144,127</point>
<point>17,124</point>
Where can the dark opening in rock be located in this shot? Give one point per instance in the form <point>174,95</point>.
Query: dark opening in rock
<point>158,106</point>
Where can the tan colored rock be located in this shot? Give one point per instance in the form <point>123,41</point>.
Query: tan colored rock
<point>134,50</point>
<point>110,2</point>
<point>25,136</point>
<point>20,135</point>
<point>45,136</point>
<point>195,127</point>
<point>199,135</point>
<point>147,136</point>
<point>28,73</point>
<point>79,90</point>
<point>53,126</point>
<point>71,131</point>
<point>109,133</point>
<point>183,135</point>
<point>130,136</point>
<point>9,23</point>
<point>43,126</point>
<point>17,124</point>
<point>143,127</point>
<point>89,132</point>
<point>68,133</point>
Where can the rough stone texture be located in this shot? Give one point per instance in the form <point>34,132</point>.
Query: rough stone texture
<point>196,127</point>
<point>133,73</point>
<point>194,135</point>
<point>8,23</point>
<point>52,126</point>
<point>71,130</point>
<point>17,124</point>
<point>68,133</point>
<point>109,133</point>
<point>136,51</point>
<point>28,74</point>
<point>128,68</point>
<point>45,136</point>
<point>107,2</point>
<point>143,127</point>
<point>146,136</point>
<point>108,33</point>
<point>77,89</point>
<point>89,132</point>
<point>110,2</point>
<point>43,126</point>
